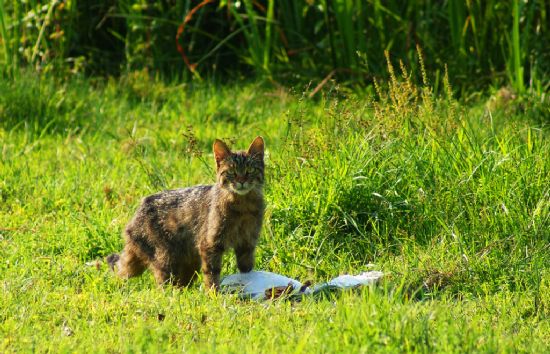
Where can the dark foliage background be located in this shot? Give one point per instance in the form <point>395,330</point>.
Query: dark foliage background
<point>482,42</point>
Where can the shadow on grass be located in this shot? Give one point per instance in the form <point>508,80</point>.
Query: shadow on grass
<point>40,106</point>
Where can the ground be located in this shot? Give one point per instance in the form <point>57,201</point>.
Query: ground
<point>452,201</point>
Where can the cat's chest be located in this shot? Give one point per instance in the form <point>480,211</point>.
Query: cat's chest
<point>240,220</point>
<point>240,217</point>
<point>241,208</point>
<point>239,228</point>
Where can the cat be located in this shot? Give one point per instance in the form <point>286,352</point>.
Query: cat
<point>176,233</point>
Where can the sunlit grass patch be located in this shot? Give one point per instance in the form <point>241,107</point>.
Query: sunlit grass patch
<point>450,201</point>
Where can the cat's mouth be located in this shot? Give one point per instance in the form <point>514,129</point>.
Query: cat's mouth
<point>240,189</point>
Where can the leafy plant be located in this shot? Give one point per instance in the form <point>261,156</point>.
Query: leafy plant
<point>483,42</point>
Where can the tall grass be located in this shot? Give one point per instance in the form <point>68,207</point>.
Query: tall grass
<point>6,42</point>
<point>482,42</point>
<point>259,40</point>
<point>517,71</point>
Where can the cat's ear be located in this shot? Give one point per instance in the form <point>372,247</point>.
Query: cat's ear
<point>221,151</point>
<point>257,147</point>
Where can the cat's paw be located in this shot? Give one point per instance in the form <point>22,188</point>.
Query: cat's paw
<point>112,259</point>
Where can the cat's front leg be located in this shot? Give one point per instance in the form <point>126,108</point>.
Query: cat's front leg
<point>211,263</point>
<point>245,257</point>
<point>246,246</point>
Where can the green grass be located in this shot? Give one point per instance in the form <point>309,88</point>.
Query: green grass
<point>452,201</point>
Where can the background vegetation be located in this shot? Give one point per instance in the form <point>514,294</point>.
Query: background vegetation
<point>483,42</point>
<point>372,163</point>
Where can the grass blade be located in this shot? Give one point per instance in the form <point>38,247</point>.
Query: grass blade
<point>516,50</point>
<point>5,38</point>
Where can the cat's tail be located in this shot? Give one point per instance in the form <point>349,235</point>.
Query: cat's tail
<point>112,260</point>
<point>126,264</point>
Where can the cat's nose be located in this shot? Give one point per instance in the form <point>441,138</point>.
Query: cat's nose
<point>240,179</point>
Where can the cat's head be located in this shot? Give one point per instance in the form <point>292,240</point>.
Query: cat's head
<point>241,171</point>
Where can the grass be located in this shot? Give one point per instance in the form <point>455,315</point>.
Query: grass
<point>484,42</point>
<point>452,201</point>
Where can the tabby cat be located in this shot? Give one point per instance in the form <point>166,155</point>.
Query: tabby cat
<point>176,233</point>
